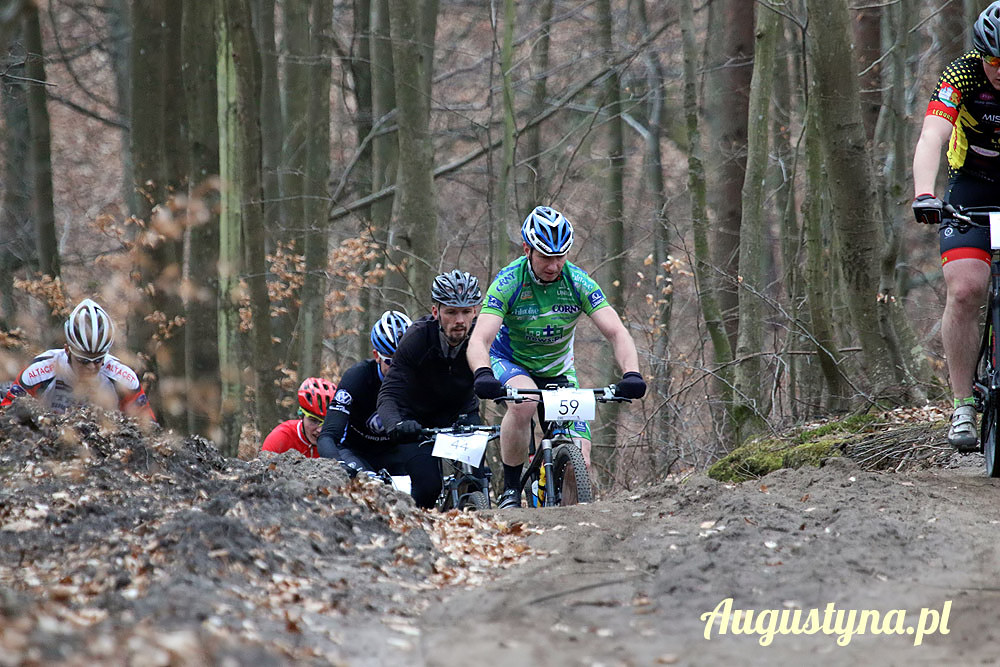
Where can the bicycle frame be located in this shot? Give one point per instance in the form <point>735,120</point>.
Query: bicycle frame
<point>458,473</point>
<point>555,434</point>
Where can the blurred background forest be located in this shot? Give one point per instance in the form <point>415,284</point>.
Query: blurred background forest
<point>247,184</point>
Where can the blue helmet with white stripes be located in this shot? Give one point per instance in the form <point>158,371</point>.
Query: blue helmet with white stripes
<point>547,231</point>
<point>388,330</point>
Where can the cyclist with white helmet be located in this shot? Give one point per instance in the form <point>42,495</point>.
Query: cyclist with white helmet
<point>352,432</point>
<point>964,115</point>
<point>429,383</point>
<point>524,336</point>
<point>300,434</point>
<point>83,370</point>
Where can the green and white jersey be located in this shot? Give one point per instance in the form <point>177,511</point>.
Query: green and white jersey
<point>539,321</point>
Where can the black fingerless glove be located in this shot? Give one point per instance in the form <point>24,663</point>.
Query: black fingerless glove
<point>928,209</point>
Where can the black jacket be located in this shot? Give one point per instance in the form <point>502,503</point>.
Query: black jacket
<point>352,426</point>
<point>428,381</point>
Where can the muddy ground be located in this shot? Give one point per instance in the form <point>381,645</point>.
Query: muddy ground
<point>118,547</point>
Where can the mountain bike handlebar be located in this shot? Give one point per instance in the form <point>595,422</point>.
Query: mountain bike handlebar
<point>518,395</point>
<point>429,433</point>
<point>963,217</point>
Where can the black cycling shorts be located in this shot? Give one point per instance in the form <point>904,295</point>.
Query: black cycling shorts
<point>974,243</point>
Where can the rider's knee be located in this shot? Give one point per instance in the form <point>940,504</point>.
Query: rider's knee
<point>968,294</point>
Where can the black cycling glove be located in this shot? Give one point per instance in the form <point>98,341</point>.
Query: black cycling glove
<point>486,385</point>
<point>407,430</point>
<point>927,209</point>
<point>631,386</point>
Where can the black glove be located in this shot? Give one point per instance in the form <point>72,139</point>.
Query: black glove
<point>486,385</point>
<point>631,386</point>
<point>407,430</point>
<point>350,468</point>
<point>927,209</point>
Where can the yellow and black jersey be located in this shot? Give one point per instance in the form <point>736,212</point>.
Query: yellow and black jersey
<point>969,101</point>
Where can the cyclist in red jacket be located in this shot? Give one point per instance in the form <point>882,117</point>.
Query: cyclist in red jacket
<point>300,434</point>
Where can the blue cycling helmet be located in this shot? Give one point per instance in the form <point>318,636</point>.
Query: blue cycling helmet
<point>388,330</point>
<point>547,231</point>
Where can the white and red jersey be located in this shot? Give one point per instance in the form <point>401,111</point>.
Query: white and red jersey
<point>51,379</point>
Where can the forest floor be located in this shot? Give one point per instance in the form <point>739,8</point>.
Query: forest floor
<point>118,547</point>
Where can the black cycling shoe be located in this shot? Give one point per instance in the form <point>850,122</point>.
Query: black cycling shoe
<point>509,498</point>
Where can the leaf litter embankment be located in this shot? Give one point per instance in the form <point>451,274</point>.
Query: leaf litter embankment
<point>119,547</point>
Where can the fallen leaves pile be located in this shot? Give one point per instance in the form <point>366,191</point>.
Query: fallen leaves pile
<point>119,546</point>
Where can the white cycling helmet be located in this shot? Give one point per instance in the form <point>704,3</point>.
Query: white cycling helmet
<point>89,330</point>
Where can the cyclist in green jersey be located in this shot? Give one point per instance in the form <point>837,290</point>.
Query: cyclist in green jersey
<point>524,335</point>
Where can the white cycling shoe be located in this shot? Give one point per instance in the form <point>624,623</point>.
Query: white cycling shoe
<point>962,434</point>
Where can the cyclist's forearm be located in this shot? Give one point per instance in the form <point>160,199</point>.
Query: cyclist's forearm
<point>334,429</point>
<point>477,354</point>
<point>934,134</point>
<point>625,352</point>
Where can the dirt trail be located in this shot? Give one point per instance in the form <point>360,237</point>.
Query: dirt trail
<point>120,548</point>
<point>628,580</point>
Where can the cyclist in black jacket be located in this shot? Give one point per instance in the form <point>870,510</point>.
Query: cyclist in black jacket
<point>430,384</point>
<point>352,432</point>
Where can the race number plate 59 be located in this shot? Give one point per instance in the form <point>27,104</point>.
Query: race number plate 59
<point>569,404</point>
<point>467,448</point>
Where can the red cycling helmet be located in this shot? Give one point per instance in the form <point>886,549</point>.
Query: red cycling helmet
<point>315,395</point>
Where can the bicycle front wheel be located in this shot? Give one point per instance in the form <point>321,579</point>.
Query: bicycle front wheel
<point>570,473</point>
<point>987,380</point>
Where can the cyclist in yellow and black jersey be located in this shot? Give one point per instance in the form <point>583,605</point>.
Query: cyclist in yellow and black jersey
<point>964,115</point>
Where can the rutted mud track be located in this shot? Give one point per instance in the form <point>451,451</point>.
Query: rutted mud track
<point>118,547</point>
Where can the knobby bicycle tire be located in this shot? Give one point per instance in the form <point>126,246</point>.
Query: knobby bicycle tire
<point>988,434</point>
<point>474,501</point>
<point>572,482</point>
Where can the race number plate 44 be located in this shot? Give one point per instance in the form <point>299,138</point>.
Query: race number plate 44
<point>569,404</point>
<point>467,448</point>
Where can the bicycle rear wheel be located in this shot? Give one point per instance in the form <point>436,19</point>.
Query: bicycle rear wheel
<point>570,473</point>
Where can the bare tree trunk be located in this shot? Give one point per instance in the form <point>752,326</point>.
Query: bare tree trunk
<point>659,369</point>
<point>753,402</point>
<point>361,71</point>
<point>40,148</point>
<point>730,53</point>
<point>503,210</point>
<point>613,219</point>
<point>18,247</point>
<point>270,115</point>
<point>311,316</point>
<point>819,274</point>
<point>860,233</point>
<point>201,337</point>
<point>247,60</point>
<point>707,291</point>
<point>868,50</point>
<point>232,350</point>
<point>385,145</point>
<point>893,133</point>
<point>415,230</point>
<point>533,135</point>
